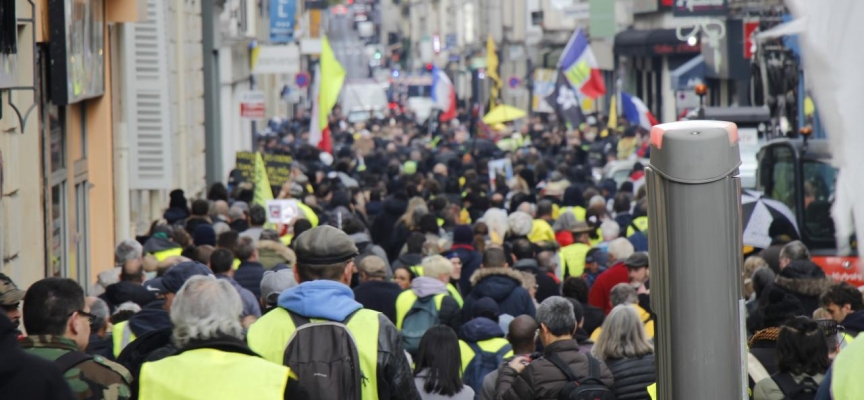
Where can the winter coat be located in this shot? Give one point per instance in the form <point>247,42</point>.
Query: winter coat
<point>152,317</point>
<point>480,329</point>
<point>382,229</point>
<point>176,214</point>
<point>251,305</point>
<point>504,285</point>
<point>379,296</point>
<point>420,380</point>
<point>397,240</point>
<point>194,221</point>
<point>471,260</point>
<point>599,294</point>
<point>449,314</point>
<point>157,244</point>
<point>240,225</point>
<point>854,323</point>
<point>121,292</point>
<point>546,286</point>
<point>804,280</point>
<point>249,275</point>
<point>767,389</point>
<point>593,318</point>
<point>632,376</point>
<point>543,380</point>
<point>271,254</point>
<point>25,376</point>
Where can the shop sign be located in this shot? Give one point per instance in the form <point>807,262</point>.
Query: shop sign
<point>284,59</point>
<point>252,105</point>
<point>282,20</point>
<point>700,8</point>
<point>750,27</point>
<point>677,48</point>
<point>77,50</point>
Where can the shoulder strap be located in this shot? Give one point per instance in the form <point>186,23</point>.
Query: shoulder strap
<point>300,320</point>
<point>593,367</point>
<point>787,385</point>
<point>561,365</point>
<point>71,359</point>
<point>633,225</point>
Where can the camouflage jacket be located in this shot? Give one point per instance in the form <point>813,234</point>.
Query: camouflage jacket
<point>91,380</point>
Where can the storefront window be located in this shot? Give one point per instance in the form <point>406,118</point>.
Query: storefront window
<point>56,119</point>
<point>58,230</point>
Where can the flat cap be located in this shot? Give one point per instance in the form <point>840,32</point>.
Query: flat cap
<point>9,292</point>
<point>324,245</point>
<point>638,259</point>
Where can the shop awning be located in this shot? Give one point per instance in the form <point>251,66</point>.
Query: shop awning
<point>652,42</point>
<point>689,74</point>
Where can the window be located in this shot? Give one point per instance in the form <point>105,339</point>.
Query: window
<point>819,180</point>
<point>783,177</point>
<point>58,261</point>
<point>56,125</point>
<point>82,236</point>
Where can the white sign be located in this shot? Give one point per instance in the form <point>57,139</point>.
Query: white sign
<point>748,137</point>
<point>283,59</point>
<point>310,46</point>
<point>282,211</point>
<point>500,167</point>
<point>252,105</point>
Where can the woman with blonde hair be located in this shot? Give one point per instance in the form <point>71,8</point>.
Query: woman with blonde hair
<point>624,346</point>
<point>407,223</point>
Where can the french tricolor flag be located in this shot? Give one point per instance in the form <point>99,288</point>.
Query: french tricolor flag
<point>636,111</point>
<point>579,65</point>
<point>443,94</point>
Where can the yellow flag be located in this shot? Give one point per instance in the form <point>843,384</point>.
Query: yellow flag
<point>263,192</point>
<point>613,112</point>
<point>332,78</point>
<point>492,67</point>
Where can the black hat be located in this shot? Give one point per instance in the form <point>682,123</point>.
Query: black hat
<point>324,245</point>
<point>176,276</point>
<point>637,260</point>
<point>780,308</point>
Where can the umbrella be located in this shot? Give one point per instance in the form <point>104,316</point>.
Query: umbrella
<point>758,213</point>
<point>503,113</point>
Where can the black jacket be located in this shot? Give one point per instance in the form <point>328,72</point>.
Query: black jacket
<point>633,376</point>
<point>543,380</point>
<point>504,285</point>
<point>804,280</point>
<point>593,318</point>
<point>151,318</point>
<point>854,323</point>
<point>546,286</point>
<point>25,376</point>
<point>121,292</point>
<point>379,296</point>
<point>101,346</point>
<point>249,275</point>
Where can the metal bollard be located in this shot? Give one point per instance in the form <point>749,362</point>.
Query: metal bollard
<point>694,209</point>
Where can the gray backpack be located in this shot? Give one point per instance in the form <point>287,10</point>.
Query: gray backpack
<point>422,316</point>
<point>323,355</point>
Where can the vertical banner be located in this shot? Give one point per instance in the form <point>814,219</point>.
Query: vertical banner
<point>282,20</point>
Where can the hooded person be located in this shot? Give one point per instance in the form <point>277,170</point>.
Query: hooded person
<point>161,244</point>
<point>178,207</point>
<point>462,247</point>
<point>431,287</point>
<point>480,338</point>
<point>502,284</point>
<point>325,262</point>
<point>272,252</point>
<point>804,280</point>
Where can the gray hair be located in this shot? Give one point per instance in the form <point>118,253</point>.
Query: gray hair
<point>127,250</point>
<point>556,313</point>
<point>623,293</point>
<point>206,307</point>
<point>435,266</point>
<point>128,306</point>
<point>621,249</point>
<point>611,230</point>
<point>622,336</point>
<point>99,308</point>
<point>236,213</point>
<point>795,251</point>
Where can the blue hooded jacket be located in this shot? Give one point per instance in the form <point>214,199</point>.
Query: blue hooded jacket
<point>324,299</point>
<point>480,329</point>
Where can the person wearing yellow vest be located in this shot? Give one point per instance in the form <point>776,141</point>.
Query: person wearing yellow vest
<point>452,286</point>
<point>572,258</point>
<point>625,294</point>
<point>845,375</point>
<point>325,263</point>
<point>639,224</point>
<point>212,361</point>
<point>541,227</point>
<point>431,286</point>
<point>161,244</point>
<point>480,339</point>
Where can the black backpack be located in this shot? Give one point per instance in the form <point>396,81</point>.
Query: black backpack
<point>806,390</point>
<point>323,354</point>
<point>588,388</point>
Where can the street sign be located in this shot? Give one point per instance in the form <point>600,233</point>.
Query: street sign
<point>282,20</point>
<point>252,105</point>
<point>302,79</point>
<point>283,59</point>
<point>513,82</point>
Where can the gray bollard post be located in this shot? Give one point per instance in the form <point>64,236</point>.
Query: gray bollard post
<point>694,236</point>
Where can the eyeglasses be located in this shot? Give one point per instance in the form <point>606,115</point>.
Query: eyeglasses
<point>90,317</point>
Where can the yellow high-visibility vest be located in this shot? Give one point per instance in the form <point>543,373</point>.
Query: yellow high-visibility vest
<point>578,212</point>
<point>455,293</point>
<point>489,345</point>
<point>541,232</point>
<point>212,374</point>
<point>121,336</point>
<point>639,222</point>
<point>270,334</point>
<point>309,213</point>
<point>572,260</point>
<point>164,254</point>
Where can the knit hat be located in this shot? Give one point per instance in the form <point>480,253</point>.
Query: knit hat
<point>204,234</point>
<point>324,245</point>
<point>486,307</point>
<point>780,308</point>
<point>462,234</point>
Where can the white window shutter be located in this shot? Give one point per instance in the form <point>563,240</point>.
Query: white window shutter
<point>146,99</point>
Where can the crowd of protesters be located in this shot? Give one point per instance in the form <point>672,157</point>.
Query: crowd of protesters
<point>410,273</point>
